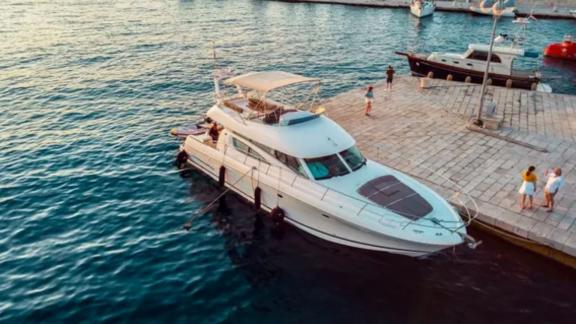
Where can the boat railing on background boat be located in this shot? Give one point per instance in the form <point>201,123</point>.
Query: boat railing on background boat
<point>356,206</point>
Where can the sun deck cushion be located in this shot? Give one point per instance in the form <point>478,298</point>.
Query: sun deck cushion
<point>390,193</point>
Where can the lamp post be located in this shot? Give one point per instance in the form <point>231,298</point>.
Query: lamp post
<point>497,12</point>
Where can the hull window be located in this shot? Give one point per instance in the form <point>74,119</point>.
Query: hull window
<point>326,167</point>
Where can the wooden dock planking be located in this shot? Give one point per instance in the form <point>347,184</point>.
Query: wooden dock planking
<point>422,132</point>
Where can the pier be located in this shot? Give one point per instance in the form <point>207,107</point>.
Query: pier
<point>425,132</point>
<point>525,8</point>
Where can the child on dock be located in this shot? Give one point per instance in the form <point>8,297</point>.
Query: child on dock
<point>368,98</point>
<point>528,187</point>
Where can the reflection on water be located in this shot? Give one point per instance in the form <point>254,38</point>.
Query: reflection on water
<point>299,277</point>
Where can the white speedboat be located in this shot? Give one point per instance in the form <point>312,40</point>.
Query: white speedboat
<point>490,8</point>
<point>303,168</point>
<point>422,8</point>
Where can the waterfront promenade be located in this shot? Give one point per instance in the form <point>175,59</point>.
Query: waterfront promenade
<point>539,9</point>
<point>425,133</point>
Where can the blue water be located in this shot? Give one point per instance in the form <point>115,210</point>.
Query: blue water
<point>91,205</point>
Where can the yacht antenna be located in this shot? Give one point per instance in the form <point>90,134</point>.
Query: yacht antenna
<point>215,73</point>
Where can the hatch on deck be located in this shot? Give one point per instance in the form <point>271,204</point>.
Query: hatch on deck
<point>390,193</point>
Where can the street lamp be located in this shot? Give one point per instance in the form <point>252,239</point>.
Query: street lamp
<point>496,13</point>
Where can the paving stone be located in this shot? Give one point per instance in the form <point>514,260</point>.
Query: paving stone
<point>422,132</point>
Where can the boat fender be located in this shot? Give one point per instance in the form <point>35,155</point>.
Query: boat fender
<point>468,79</point>
<point>430,75</point>
<point>277,215</point>
<point>509,83</point>
<point>222,176</point>
<point>534,86</point>
<point>449,77</point>
<point>257,198</point>
<point>489,82</point>
<point>181,159</point>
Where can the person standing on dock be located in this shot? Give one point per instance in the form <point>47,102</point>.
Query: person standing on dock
<point>389,77</point>
<point>368,98</point>
<point>528,187</point>
<point>555,181</point>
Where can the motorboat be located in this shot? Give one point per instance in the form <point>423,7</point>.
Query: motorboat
<point>491,8</point>
<point>290,160</point>
<point>566,50</point>
<point>422,8</point>
<point>470,66</point>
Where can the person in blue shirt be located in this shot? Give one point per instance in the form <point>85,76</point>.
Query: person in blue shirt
<point>368,98</point>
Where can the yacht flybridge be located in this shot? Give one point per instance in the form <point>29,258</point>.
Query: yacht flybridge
<point>303,168</point>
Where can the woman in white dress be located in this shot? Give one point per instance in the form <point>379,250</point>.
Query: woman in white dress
<point>528,187</point>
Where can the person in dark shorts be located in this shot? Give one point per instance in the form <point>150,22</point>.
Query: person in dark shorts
<point>214,132</point>
<point>389,77</point>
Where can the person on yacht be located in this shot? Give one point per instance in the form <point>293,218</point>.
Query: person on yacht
<point>214,132</point>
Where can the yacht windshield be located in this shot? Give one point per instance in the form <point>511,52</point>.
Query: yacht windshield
<point>326,167</point>
<point>353,158</point>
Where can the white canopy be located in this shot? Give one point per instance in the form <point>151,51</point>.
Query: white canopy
<point>266,81</point>
<point>498,49</point>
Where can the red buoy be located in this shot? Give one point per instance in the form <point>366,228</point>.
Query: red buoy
<point>565,50</point>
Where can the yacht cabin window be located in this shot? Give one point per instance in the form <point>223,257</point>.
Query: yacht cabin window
<point>244,148</point>
<point>483,56</point>
<point>291,162</point>
<point>353,158</point>
<point>326,167</point>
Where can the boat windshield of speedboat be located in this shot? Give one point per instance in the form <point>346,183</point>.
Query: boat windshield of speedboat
<point>308,166</point>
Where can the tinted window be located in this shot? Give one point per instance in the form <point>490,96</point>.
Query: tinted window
<point>483,56</point>
<point>353,158</point>
<point>290,161</point>
<point>326,167</point>
<point>244,148</point>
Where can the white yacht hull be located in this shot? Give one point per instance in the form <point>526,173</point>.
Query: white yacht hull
<point>298,213</point>
<point>506,12</point>
<point>421,11</point>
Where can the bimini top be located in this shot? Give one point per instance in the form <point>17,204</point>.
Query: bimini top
<point>266,81</point>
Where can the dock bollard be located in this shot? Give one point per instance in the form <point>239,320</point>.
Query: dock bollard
<point>423,83</point>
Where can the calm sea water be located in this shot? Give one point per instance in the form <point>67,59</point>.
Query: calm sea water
<point>91,205</point>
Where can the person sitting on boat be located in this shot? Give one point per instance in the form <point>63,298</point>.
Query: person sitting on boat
<point>214,132</point>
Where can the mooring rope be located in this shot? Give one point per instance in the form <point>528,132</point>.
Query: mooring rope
<point>188,225</point>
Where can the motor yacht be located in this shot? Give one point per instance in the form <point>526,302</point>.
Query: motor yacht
<point>422,8</point>
<point>492,8</point>
<point>470,66</point>
<point>292,161</point>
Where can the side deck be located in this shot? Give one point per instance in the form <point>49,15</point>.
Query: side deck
<point>424,133</point>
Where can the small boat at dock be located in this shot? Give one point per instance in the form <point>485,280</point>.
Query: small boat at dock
<point>298,165</point>
<point>471,65</point>
<point>490,8</point>
<point>422,8</point>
